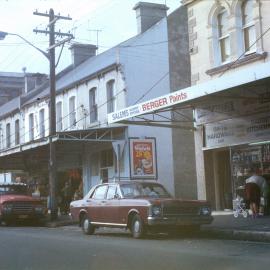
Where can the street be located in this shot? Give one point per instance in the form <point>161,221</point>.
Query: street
<point>26,248</point>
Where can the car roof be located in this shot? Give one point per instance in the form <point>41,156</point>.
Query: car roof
<point>131,182</point>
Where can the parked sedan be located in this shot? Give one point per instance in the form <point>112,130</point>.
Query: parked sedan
<point>139,206</point>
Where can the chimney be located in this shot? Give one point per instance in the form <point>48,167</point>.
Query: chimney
<point>81,52</point>
<point>148,14</point>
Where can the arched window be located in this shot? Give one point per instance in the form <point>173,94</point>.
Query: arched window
<point>72,112</point>
<point>223,35</point>
<point>59,116</point>
<point>8,139</point>
<point>17,132</point>
<point>248,26</point>
<point>42,123</point>
<point>31,126</point>
<point>111,96</point>
<point>93,105</point>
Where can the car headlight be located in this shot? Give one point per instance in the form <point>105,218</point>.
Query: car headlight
<point>156,210</point>
<point>39,209</point>
<point>205,211</point>
<point>7,207</point>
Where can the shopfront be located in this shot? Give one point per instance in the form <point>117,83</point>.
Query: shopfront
<point>236,138</point>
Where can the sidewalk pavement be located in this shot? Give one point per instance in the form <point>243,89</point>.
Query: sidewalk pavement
<point>224,226</point>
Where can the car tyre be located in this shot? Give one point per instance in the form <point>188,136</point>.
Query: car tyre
<point>87,227</point>
<point>138,229</point>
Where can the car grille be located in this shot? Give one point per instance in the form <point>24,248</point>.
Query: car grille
<point>22,207</point>
<point>169,210</point>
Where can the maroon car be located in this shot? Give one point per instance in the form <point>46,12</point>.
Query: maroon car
<point>17,204</point>
<point>139,206</point>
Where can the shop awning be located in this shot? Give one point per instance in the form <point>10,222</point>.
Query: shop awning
<point>187,97</point>
<point>69,144</point>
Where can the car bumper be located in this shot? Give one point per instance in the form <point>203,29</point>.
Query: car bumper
<point>179,221</point>
<point>22,216</point>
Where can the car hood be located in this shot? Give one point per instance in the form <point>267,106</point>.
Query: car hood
<point>14,198</point>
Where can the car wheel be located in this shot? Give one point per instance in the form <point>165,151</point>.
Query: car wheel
<point>137,228</point>
<point>87,227</point>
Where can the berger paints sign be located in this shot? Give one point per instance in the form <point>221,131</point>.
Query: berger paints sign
<point>149,106</point>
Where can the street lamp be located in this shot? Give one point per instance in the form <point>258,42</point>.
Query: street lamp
<point>52,166</point>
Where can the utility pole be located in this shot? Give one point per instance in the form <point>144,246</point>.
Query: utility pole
<point>52,132</point>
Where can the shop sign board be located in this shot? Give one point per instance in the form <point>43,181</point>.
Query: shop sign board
<point>143,162</point>
<point>243,103</point>
<point>237,131</point>
<point>150,106</point>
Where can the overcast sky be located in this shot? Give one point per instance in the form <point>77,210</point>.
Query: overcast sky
<point>115,18</point>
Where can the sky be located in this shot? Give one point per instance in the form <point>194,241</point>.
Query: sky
<point>115,21</point>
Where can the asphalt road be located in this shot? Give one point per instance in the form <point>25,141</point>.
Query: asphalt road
<point>34,248</point>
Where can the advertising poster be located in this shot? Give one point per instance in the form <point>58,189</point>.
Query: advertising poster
<point>143,158</point>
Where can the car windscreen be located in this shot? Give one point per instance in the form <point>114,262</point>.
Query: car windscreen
<point>15,190</point>
<point>148,190</point>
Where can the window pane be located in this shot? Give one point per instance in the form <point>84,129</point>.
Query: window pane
<point>100,193</point>
<point>31,127</point>
<point>59,116</point>
<point>250,38</point>
<point>225,49</point>
<point>111,192</point>
<point>247,12</point>
<point>110,97</point>
<point>72,113</point>
<point>17,132</point>
<point>41,123</point>
<point>93,105</point>
<point>223,23</point>
<point>8,135</point>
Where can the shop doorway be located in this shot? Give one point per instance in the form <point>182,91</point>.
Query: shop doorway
<point>222,180</point>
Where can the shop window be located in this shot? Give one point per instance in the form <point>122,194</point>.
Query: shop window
<point>59,116</point>
<point>107,158</point>
<point>93,105</point>
<point>72,113</point>
<point>111,96</point>
<point>42,123</point>
<point>17,132</point>
<point>248,27</point>
<point>31,126</point>
<point>8,139</point>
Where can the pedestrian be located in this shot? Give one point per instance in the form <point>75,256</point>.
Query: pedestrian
<point>256,186</point>
<point>66,197</point>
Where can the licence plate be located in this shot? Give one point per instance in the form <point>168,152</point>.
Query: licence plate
<point>23,216</point>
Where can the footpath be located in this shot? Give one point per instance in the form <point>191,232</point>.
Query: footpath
<point>224,226</point>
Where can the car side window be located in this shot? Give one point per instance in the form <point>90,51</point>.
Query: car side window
<point>111,192</point>
<point>100,193</point>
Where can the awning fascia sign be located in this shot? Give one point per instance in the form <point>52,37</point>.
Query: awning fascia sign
<point>234,79</point>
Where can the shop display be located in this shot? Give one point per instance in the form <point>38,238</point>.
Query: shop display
<point>246,159</point>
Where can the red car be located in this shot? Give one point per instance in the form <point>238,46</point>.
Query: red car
<point>139,206</point>
<point>16,204</point>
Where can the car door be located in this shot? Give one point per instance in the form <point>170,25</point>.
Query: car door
<point>97,203</point>
<point>111,207</point>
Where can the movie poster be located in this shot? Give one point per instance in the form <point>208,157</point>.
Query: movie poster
<point>143,158</point>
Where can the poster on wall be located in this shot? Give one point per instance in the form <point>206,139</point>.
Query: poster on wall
<point>143,158</point>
